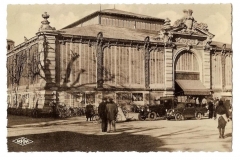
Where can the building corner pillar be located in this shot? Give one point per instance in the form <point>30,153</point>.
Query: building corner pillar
<point>47,50</point>
<point>169,81</point>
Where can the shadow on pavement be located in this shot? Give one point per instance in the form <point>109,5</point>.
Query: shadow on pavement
<point>71,141</point>
<point>228,135</point>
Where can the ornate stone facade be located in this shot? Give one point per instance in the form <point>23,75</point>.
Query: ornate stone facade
<point>80,63</point>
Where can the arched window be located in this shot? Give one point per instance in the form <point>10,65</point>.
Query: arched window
<point>186,66</point>
<point>187,62</point>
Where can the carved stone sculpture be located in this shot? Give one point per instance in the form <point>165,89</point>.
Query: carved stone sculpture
<point>189,20</point>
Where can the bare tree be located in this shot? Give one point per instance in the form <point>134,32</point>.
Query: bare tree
<point>15,68</point>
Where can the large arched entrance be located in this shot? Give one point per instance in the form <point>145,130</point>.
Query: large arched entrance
<point>187,66</point>
<point>187,75</point>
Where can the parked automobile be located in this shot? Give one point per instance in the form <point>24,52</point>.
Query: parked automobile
<point>157,110</point>
<point>186,111</point>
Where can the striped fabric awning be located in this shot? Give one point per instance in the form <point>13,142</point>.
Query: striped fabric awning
<point>193,87</point>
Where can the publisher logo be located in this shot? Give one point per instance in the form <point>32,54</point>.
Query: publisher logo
<point>22,141</point>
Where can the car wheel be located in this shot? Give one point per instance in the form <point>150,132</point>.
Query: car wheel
<point>178,117</point>
<point>199,116</point>
<point>152,116</point>
<point>141,118</point>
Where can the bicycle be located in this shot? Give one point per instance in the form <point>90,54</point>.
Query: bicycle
<point>62,110</point>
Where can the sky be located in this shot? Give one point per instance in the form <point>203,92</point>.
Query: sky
<point>25,20</point>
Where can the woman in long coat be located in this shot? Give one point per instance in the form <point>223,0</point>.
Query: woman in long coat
<point>111,111</point>
<point>222,117</point>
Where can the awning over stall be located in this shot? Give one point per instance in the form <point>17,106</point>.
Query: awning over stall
<point>193,87</point>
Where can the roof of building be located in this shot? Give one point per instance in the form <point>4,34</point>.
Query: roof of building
<point>9,40</point>
<point>123,33</point>
<point>115,12</point>
<point>112,32</point>
<point>125,13</point>
<point>219,45</point>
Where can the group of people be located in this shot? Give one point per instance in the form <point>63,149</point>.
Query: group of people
<point>196,100</point>
<point>213,105</point>
<point>107,111</point>
<point>217,110</point>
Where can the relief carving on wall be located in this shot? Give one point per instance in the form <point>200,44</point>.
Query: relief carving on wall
<point>165,37</point>
<point>188,24</point>
<point>188,41</point>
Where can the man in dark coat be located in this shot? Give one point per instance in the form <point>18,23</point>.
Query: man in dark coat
<point>111,111</point>
<point>102,114</point>
<point>210,108</point>
<point>89,111</point>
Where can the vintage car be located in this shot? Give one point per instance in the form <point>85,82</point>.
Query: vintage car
<point>186,111</point>
<point>157,110</point>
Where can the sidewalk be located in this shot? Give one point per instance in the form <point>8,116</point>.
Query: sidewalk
<point>49,122</point>
<point>46,122</point>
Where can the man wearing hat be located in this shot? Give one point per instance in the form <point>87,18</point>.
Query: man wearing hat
<point>112,111</point>
<point>102,114</point>
<point>210,108</point>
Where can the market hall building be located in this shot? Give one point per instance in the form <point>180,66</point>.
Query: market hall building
<point>130,57</point>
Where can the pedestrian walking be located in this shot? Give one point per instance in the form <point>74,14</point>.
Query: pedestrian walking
<point>89,111</point>
<point>102,114</point>
<point>222,117</point>
<point>111,111</point>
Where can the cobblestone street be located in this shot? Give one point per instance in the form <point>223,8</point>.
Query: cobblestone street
<point>75,134</point>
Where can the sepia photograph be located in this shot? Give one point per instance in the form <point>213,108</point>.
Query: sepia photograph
<point>119,77</point>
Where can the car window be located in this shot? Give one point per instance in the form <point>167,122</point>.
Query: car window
<point>180,105</point>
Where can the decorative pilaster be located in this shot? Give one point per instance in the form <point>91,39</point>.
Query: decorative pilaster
<point>99,60</point>
<point>147,58</point>
<point>223,62</point>
<point>168,68</point>
<point>206,69</point>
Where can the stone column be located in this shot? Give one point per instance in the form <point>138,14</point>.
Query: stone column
<point>169,81</point>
